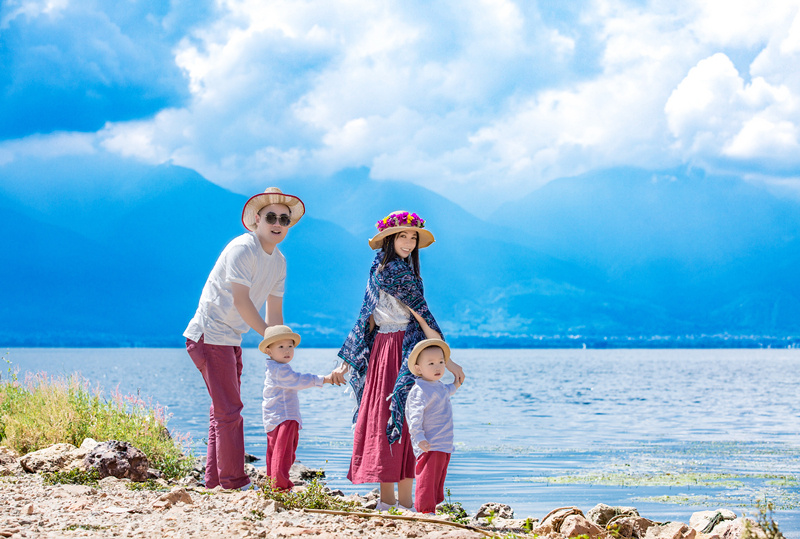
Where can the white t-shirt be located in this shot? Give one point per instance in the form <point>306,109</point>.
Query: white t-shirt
<point>430,415</point>
<point>242,261</point>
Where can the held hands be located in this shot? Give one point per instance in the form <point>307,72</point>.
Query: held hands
<point>337,375</point>
<point>327,379</point>
<point>457,371</point>
<point>425,445</point>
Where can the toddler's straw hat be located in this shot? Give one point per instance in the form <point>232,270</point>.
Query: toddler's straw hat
<point>278,333</point>
<point>399,221</point>
<point>422,345</point>
<point>271,195</point>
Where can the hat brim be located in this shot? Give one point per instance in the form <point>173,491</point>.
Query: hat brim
<point>266,343</point>
<point>425,236</point>
<point>422,345</point>
<point>257,202</point>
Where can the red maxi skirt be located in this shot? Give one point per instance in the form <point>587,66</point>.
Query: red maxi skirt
<point>374,460</point>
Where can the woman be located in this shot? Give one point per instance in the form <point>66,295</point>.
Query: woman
<point>394,317</point>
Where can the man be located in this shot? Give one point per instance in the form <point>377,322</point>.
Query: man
<point>250,272</point>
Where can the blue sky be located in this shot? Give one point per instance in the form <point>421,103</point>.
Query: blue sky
<point>479,100</point>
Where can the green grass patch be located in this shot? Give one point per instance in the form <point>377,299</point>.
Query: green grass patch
<point>72,477</point>
<point>314,496</point>
<point>38,411</point>
<point>663,479</point>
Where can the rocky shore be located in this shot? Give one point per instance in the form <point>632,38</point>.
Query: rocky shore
<point>117,506</point>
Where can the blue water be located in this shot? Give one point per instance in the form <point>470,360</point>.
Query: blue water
<point>524,416</point>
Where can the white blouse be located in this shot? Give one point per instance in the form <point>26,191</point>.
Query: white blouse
<point>390,314</point>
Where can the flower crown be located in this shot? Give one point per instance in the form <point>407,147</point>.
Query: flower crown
<point>402,218</point>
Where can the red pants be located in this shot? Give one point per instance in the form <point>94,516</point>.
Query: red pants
<point>431,471</point>
<point>221,367</point>
<point>281,447</point>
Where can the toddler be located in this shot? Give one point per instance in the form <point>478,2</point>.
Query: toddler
<point>281,408</point>
<point>430,421</point>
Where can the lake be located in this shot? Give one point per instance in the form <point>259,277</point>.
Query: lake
<point>667,431</point>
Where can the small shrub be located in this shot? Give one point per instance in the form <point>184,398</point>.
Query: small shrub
<point>454,509</point>
<point>313,497</point>
<point>75,476</point>
<point>765,521</point>
<point>148,484</point>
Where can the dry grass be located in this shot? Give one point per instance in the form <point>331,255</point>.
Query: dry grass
<point>39,410</point>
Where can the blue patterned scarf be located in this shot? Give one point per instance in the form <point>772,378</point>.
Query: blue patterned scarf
<point>397,279</point>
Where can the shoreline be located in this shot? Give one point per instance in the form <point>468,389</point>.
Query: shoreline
<point>119,507</point>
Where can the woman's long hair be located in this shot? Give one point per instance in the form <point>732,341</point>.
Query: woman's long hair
<point>390,254</point>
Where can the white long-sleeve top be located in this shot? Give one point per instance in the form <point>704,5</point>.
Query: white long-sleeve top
<point>281,385</point>
<point>430,415</point>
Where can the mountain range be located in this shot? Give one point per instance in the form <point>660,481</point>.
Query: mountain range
<point>104,251</point>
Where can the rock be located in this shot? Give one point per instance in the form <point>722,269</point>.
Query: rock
<point>56,458</point>
<point>575,525</point>
<point>601,514</point>
<point>671,530</point>
<point>9,462</point>
<point>629,526</point>
<point>495,509</point>
<point>88,444</point>
<point>555,518</point>
<point>78,490</point>
<point>248,458</point>
<point>706,521</point>
<point>177,494</point>
<point>734,529</point>
<point>118,459</point>
<point>299,473</point>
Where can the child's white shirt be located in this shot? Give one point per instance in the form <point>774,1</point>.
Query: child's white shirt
<point>281,385</point>
<point>430,415</point>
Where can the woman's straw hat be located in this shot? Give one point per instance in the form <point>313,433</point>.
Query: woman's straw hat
<point>271,195</point>
<point>400,221</point>
<point>422,345</point>
<point>277,333</point>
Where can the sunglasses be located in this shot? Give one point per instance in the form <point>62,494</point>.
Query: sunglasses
<point>272,218</point>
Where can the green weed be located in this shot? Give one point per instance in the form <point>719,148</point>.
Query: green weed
<point>314,496</point>
<point>454,509</point>
<point>73,477</point>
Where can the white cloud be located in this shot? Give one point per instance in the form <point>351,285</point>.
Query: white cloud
<point>470,96</point>
<point>47,146</point>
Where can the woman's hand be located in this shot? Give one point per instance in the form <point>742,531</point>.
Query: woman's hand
<point>337,375</point>
<point>457,371</point>
<point>426,329</point>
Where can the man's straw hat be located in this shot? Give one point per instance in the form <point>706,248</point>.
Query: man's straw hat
<point>271,195</point>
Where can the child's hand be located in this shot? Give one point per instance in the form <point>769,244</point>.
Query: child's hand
<point>327,380</point>
<point>425,445</point>
<point>337,375</point>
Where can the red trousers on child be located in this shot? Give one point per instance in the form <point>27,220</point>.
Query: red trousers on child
<point>431,470</point>
<point>281,447</point>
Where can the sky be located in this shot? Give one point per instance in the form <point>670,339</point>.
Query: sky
<point>481,101</point>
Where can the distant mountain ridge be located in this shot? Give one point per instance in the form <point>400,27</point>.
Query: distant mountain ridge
<point>110,252</point>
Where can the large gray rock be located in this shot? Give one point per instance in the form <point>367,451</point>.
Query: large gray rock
<point>118,459</point>
<point>56,458</point>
